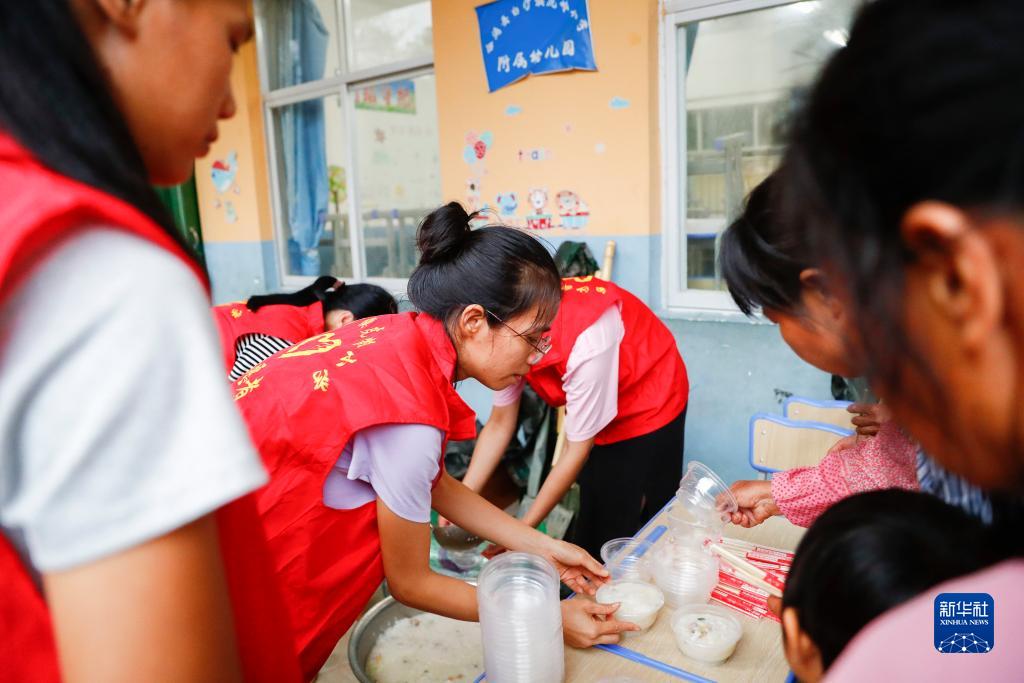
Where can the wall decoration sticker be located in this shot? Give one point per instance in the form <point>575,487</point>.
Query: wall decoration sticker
<point>572,211</point>
<point>538,220</point>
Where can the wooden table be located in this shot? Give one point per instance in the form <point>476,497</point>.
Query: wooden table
<point>758,656</point>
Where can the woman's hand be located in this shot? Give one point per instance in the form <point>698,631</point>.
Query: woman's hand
<point>869,417</point>
<point>586,623</point>
<point>756,503</point>
<point>576,568</point>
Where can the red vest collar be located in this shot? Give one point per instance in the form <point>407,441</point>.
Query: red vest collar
<point>439,343</point>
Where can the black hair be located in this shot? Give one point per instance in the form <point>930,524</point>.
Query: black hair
<point>760,258</point>
<point>503,269</point>
<point>873,551</point>
<point>363,300</point>
<point>57,103</point>
<point>924,103</point>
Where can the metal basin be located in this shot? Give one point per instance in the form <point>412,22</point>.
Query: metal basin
<point>369,628</point>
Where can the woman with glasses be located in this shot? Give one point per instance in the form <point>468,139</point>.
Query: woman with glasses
<point>352,426</point>
<point>616,368</point>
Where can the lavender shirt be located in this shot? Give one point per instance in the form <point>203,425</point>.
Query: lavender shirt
<point>394,462</point>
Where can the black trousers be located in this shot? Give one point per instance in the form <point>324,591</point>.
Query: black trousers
<point>622,485</point>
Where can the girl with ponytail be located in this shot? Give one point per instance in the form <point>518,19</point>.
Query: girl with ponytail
<point>352,426</point>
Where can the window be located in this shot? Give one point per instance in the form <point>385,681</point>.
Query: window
<point>734,70</point>
<point>349,100</point>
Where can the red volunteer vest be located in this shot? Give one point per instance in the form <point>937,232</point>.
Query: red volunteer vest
<point>38,208</point>
<point>291,323</point>
<point>653,387</point>
<point>303,406</point>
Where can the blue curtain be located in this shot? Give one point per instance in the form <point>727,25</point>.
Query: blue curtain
<point>302,54</point>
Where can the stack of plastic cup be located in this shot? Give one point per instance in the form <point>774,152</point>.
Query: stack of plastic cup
<point>521,620</point>
<point>685,574</point>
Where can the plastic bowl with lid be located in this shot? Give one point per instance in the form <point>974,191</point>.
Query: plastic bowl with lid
<point>639,602</point>
<point>707,633</point>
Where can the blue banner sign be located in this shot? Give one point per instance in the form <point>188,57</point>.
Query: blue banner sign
<point>523,37</point>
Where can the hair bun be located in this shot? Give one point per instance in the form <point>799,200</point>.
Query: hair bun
<point>443,233</point>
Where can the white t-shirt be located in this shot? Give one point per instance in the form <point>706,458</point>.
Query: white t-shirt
<point>116,424</point>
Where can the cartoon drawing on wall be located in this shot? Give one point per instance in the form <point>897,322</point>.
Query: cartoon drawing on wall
<point>513,110</point>
<point>572,210</point>
<point>507,203</point>
<point>538,220</point>
<point>223,174</point>
<point>619,103</point>
<point>536,154</point>
<point>476,146</point>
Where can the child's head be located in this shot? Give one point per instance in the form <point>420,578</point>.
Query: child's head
<point>342,303</point>
<point>905,171</point>
<point>768,266</point>
<point>865,555</point>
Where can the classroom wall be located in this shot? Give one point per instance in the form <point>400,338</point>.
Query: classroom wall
<point>234,194</point>
<point>735,368</point>
<point>597,135</point>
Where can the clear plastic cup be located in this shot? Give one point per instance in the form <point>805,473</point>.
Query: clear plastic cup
<point>685,574</point>
<point>685,529</point>
<point>617,555</point>
<point>704,496</point>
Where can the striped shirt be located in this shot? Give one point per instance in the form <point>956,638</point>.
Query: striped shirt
<point>955,490</point>
<point>253,349</point>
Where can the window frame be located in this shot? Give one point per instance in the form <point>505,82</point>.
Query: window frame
<point>341,84</point>
<point>678,298</point>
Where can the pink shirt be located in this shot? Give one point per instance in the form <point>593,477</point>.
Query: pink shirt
<point>886,460</point>
<point>899,645</point>
<point>591,379</point>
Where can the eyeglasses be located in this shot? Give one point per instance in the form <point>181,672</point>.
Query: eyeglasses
<point>540,347</point>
